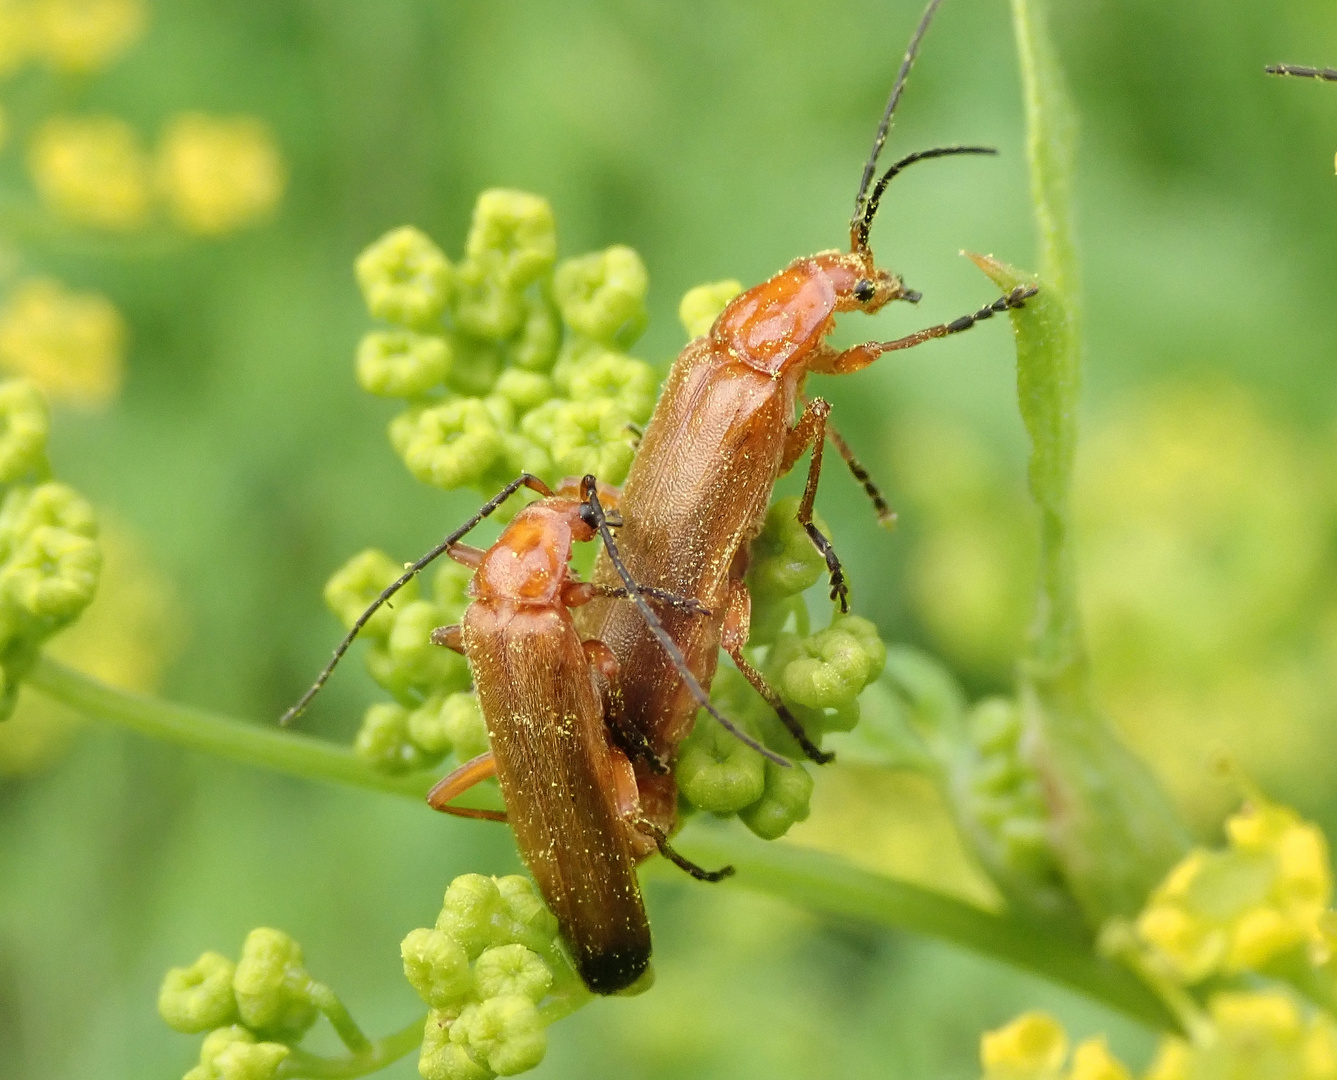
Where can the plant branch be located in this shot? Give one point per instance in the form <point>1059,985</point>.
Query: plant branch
<point>812,880</point>
<point>828,884</point>
<point>381,1053</point>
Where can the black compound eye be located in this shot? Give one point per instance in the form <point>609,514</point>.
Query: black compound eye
<point>864,290</point>
<point>587,516</point>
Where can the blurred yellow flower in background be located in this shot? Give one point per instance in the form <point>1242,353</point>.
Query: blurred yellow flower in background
<point>92,170</point>
<point>70,344</point>
<point>84,35</point>
<point>1203,526</point>
<point>219,174</point>
<point>127,637</point>
<point>15,35</point>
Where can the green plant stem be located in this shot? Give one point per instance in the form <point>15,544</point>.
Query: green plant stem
<point>287,752</point>
<point>327,1001</point>
<point>819,882</point>
<point>380,1053</point>
<point>829,884</point>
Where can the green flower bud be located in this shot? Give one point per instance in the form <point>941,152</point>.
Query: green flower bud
<point>524,904</point>
<point>451,445</point>
<point>513,236</point>
<point>784,802</point>
<point>512,970</point>
<point>402,363</point>
<point>24,426</point>
<point>437,967</point>
<point>272,986</point>
<point>420,662</point>
<point>841,660</point>
<point>591,437</point>
<point>462,723</point>
<point>717,772</point>
<point>441,1059</point>
<point>540,336</point>
<point>701,306</point>
<point>232,1053</point>
<point>450,588</point>
<point>470,911</point>
<point>507,1032</point>
<point>486,307</point>
<point>477,365</point>
<point>384,742</point>
<point>612,376</point>
<point>352,588</point>
<point>53,504</point>
<point>522,455</point>
<point>525,390</point>
<point>602,296</point>
<point>199,997</point>
<point>53,573</point>
<point>424,727</point>
<point>404,278</point>
<point>784,560</point>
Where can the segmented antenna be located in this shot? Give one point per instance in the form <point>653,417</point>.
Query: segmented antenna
<point>410,572</point>
<point>861,226</point>
<point>1299,72</point>
<point>590,496</point>
<point>896,91</point>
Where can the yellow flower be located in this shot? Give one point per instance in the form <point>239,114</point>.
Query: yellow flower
<point>1032,1047</point>
<point>92,170</point>
<point>1092,1060</point>
<point>84,35</point>
<point>70,344</point>
<point>1235,910</point>
<point>219,174</point>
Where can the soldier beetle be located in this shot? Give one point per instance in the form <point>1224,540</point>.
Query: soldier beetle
<point>721,435</point>
<point>582,815</point>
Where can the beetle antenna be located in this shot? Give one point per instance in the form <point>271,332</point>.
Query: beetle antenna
<point>861,226</point>
<point>410,572</point>
<point>597,518</point>
<point>897,89</point>
<point>1299,72</point>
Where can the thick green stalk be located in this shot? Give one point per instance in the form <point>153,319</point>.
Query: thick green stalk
<point>1115,832</point>
<point>819,882</point>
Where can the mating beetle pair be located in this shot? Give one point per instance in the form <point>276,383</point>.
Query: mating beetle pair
<point>585,713</point>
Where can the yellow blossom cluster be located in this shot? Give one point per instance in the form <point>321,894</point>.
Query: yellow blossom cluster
<point>70,344</point>
<point>1035,1047</point>
<point>75,36</point>
<point>214,174</point>
<point>1243,1036</point>
<point>1224,912</point>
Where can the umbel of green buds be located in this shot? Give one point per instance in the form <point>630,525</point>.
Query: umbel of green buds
<point>509,361</point>
<point>494,975</point>
<point>50,560</point>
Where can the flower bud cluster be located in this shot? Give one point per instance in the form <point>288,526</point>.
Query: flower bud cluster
<point>485,970</point>
<point>253,1010</point>
<point>818,675</point>
<point>50,559</point>
<point>1261,1035</point>
<point>1263,899</point>
<point>508,362</point>
<point>434,712</point>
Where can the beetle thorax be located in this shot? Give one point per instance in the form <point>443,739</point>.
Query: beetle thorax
<point>528,563</point>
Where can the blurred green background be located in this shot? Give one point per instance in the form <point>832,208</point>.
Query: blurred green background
<point>240,466</point>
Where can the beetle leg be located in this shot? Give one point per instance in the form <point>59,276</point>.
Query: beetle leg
<point>630,739</point>
<point>454,784</point>
<point>466,555</point>
<point>811,431</point>
<point>830,362</point>
<point>661,841</point>
<point>449,637</point>
<point>886,516</point>
<point>733,636</point>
